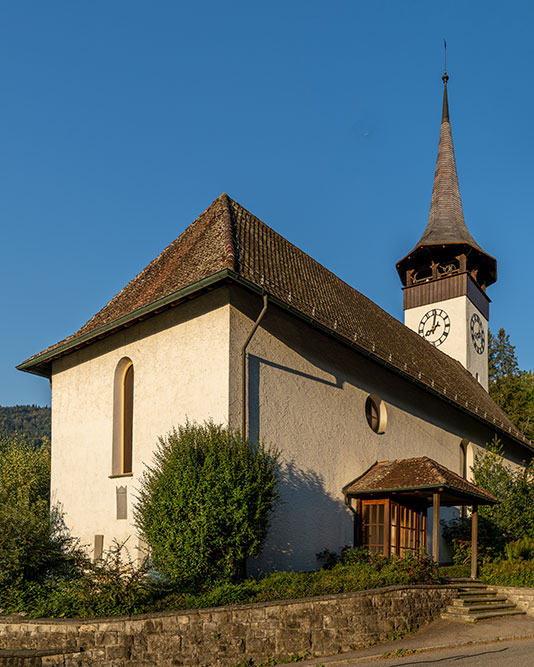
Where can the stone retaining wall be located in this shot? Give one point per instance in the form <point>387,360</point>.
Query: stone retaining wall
<point>522,597</point>
<point>229,636</point>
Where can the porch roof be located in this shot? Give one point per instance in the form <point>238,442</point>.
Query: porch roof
<point>417,478</point>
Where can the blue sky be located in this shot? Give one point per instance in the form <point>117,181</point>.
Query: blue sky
<point>123,120</point>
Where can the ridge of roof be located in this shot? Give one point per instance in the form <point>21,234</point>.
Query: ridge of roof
<point>228,237</point>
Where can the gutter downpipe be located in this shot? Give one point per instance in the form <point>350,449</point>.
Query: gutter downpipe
<point>244,367</point>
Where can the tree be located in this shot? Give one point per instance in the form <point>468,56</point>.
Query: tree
<point>511,388</point>
<point>29,421</point>
<point>512,518</point>
<point>513,487</point>
<point>32,542</point>
<point>204,505</point>
<point>502,359</point>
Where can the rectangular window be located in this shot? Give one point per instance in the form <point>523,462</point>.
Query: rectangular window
<point>392,528</point>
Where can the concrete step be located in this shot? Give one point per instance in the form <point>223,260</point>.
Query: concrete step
<point>475,608</point>
<point>475,591</point>
<point>478,599</point>
<point>480,616</point>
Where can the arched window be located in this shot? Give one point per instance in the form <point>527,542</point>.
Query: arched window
<point>463,459</point>
<point>123,406</point>
<point>127,418</point>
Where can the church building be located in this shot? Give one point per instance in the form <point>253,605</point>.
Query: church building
<point>377,421</point>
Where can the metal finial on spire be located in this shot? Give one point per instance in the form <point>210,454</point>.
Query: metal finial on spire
<point>445,78</point>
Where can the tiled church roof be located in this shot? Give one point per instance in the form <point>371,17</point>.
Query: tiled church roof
<point>227,237</point>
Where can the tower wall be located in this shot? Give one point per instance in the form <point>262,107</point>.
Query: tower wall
<point>460,341</point>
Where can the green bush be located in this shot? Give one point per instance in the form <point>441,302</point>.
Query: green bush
<point>455,571</point>
<point>499,524</point>
<point>513,516</point>
<point>457,533</point>
<point>204,505</point>
<point>357,570</point>
<point>508,573</point>
<point>116,586</point>
<point>522,549</point>
<point>112,586</point>
<point>33,542</point>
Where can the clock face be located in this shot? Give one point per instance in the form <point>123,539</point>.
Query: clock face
<point>477,333</point>
<point>435,326</point>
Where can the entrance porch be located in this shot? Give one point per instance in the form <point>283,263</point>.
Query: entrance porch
<point>390,502</point>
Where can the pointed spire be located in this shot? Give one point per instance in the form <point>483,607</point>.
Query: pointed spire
<point>446,226</point>
<point>446,222</point>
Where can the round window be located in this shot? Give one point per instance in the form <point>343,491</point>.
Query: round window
<point>375,411</point>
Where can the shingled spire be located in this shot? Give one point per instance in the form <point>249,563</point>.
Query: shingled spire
<point>446,222</point>
<point>446,235</point>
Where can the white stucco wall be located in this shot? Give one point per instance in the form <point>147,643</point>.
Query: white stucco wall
<point>458,343</point>
<point>306,397</point>
<point>181,367</point>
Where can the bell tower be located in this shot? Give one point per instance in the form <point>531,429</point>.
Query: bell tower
<point>446,274</point>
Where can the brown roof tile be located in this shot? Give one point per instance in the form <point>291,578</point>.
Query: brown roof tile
<point>227,236</point>
<point>410,474</point>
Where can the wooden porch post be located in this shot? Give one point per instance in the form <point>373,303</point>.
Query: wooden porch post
<point>474,541</point>
<point>435,526</point>
<point>387,529</point>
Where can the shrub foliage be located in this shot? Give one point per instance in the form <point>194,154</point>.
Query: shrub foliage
<point>32,540</point>
<point>508,573</point>
<point>513,516</point>
<point>204,504</point>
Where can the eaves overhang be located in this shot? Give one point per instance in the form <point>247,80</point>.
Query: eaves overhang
<point>459,495</point>
<point>487,263</point>
<point>41,363</point>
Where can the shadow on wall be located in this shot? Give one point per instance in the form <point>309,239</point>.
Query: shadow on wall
<point>308,521</point>
<point>253,388</point>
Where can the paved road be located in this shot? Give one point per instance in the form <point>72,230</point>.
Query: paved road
<point>518,653</point>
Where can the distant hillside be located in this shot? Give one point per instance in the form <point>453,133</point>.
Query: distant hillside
<point>29,420</point>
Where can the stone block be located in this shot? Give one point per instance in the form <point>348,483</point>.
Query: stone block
<point>164,644</point>
<point>221,617</point>
<point>117,652</point>
<point>291,641</point>
<point>106,638</point>
<point>260,646</point>
<point>86,637</point>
